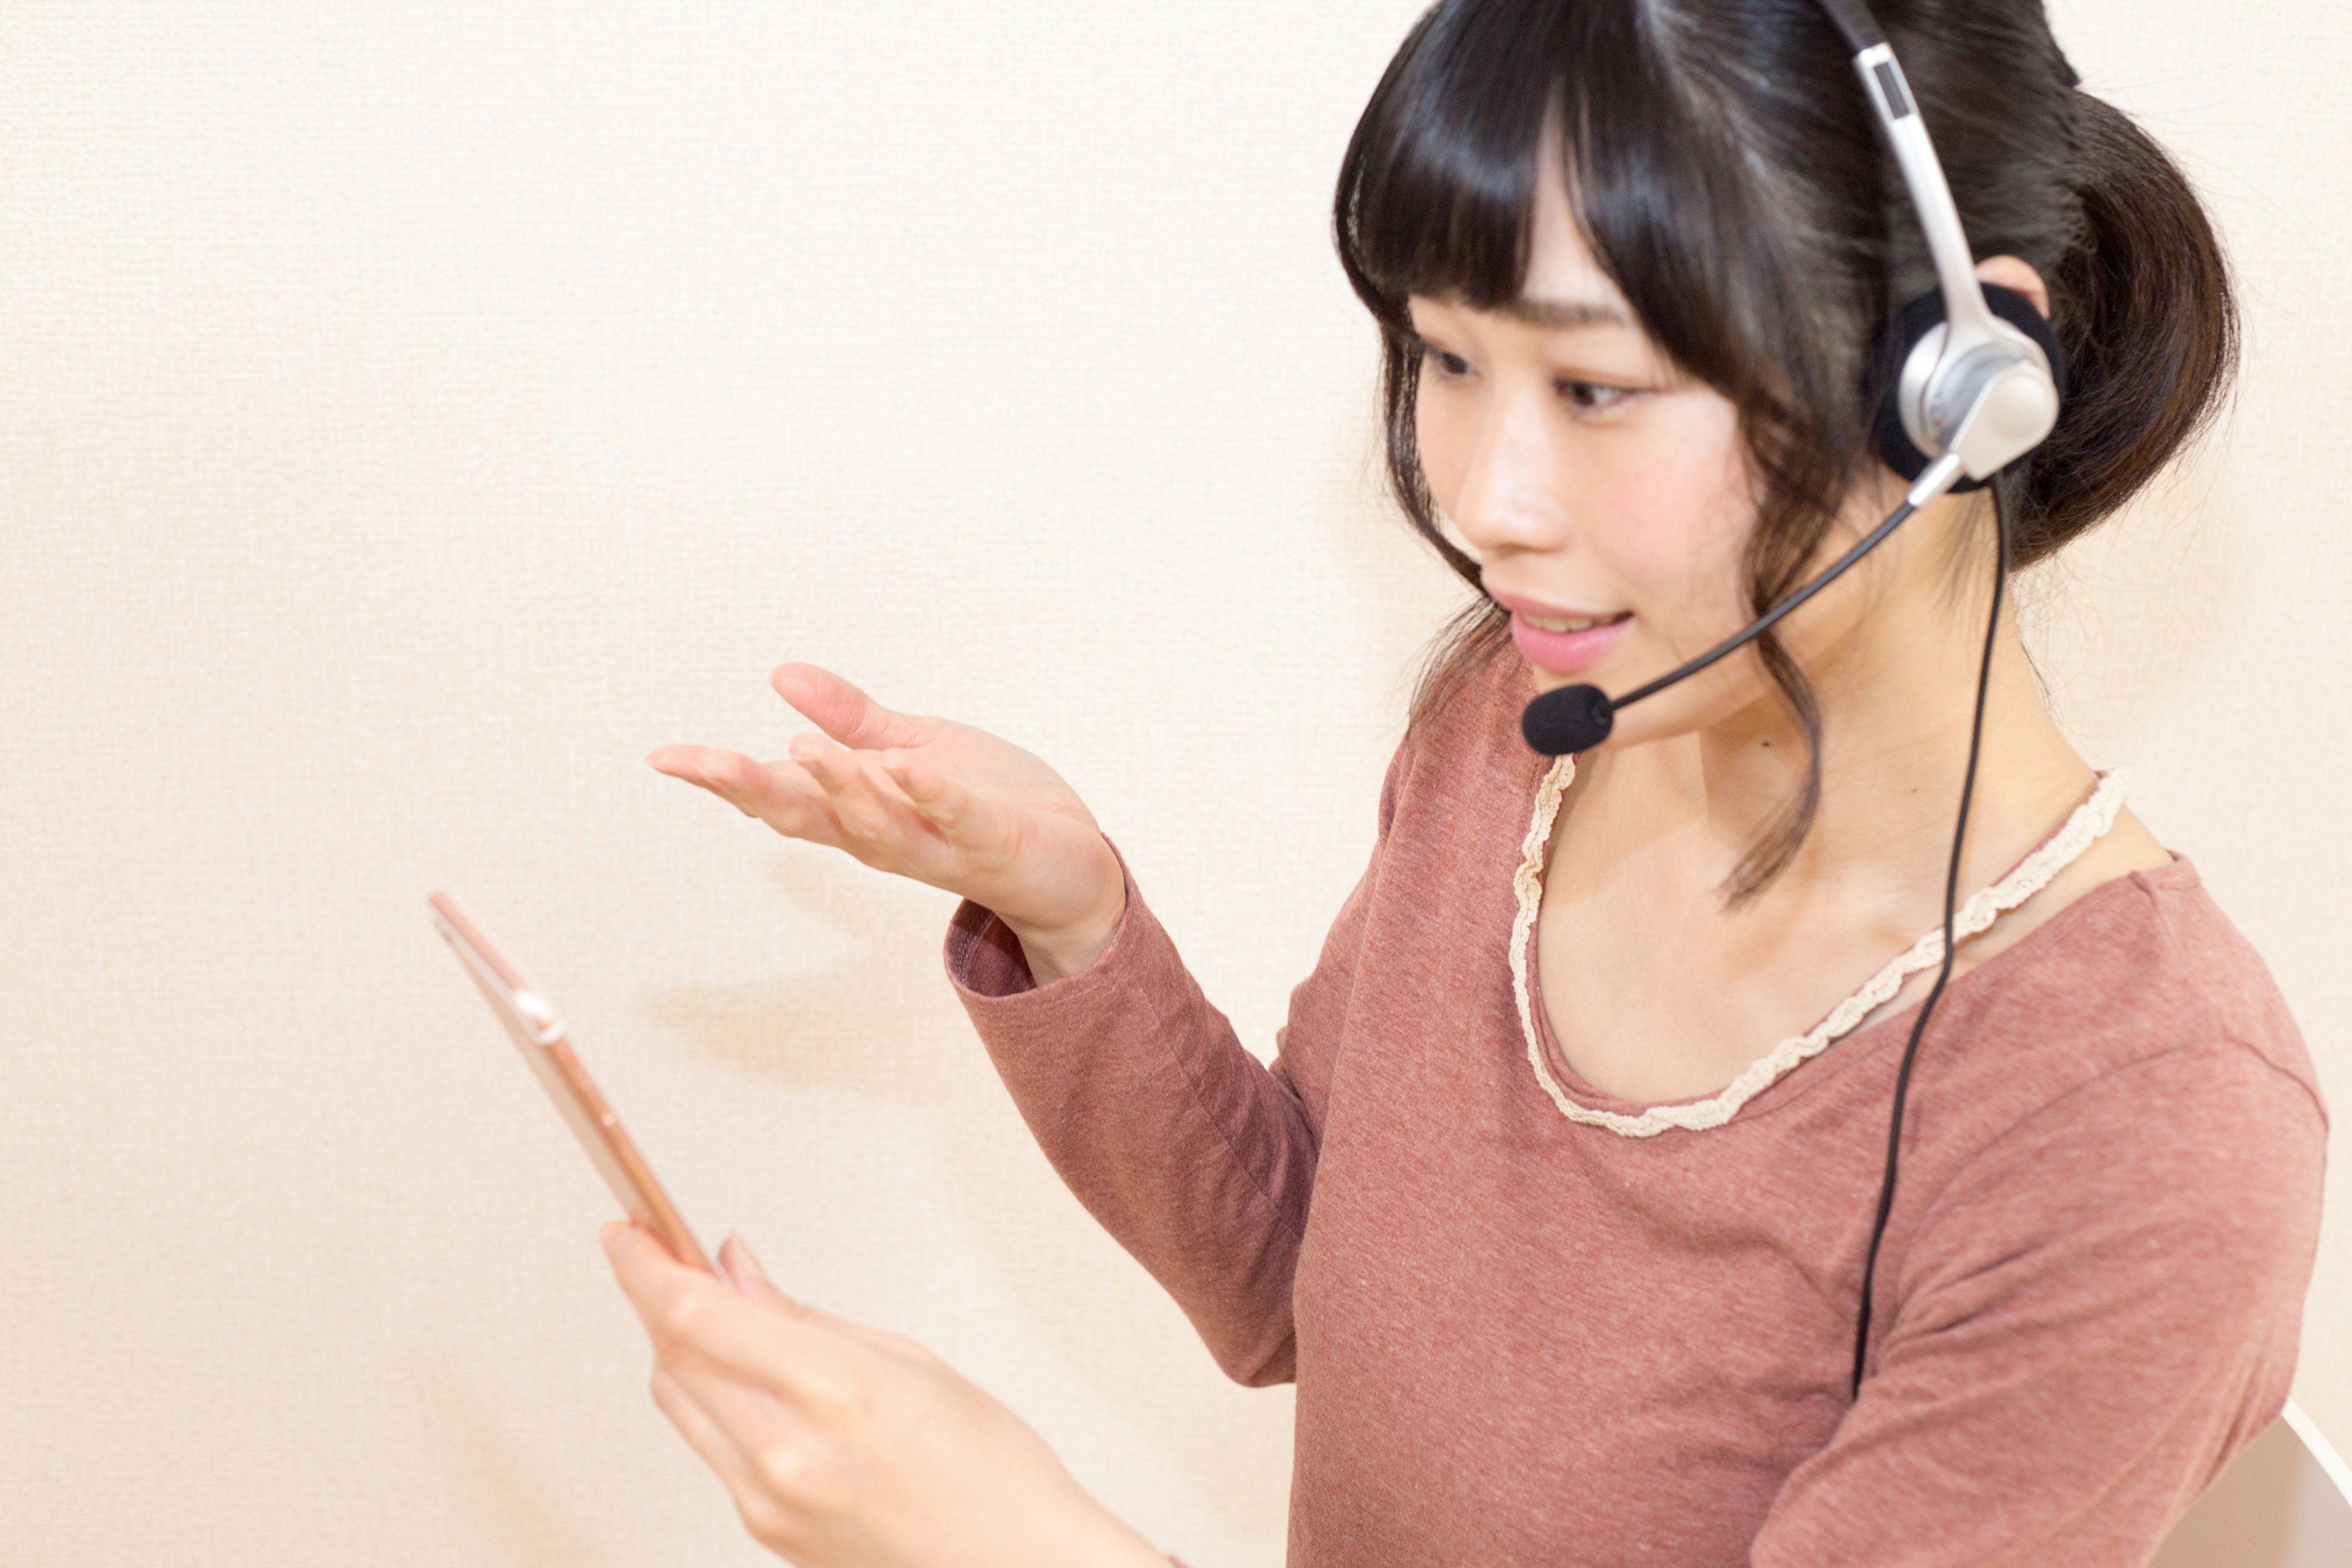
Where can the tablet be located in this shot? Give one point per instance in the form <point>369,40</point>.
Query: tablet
<point>537,1032</point>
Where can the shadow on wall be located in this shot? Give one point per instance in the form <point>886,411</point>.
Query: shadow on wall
<point>867,1025</point>
<point>490,1474</point>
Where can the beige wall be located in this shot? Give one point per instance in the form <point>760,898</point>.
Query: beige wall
<point>414,414</point>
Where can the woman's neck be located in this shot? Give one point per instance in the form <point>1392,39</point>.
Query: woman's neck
<point>1895,741</point>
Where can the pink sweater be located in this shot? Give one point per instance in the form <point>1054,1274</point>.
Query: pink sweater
<point>1522,1339</point>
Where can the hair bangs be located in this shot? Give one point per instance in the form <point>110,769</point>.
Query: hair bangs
<point>1436,194</point>
<point>1437,190</point>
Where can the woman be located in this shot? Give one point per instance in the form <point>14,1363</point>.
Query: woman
<point>1591,1088</point>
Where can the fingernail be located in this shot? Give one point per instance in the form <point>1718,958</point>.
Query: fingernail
<point>744,1266</point>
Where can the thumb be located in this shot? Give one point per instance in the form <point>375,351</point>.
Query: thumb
<point>748,1276</point>
<point>842,711</point>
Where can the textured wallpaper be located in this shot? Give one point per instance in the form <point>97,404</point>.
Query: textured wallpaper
<point>414,414</point>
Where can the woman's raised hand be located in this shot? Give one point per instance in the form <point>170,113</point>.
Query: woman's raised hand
<point>932,799</point>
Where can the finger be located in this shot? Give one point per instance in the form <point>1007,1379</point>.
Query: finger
<point>746,1415</point>
<point>678,762</point>
<point>867,805</point>
<point>703,1433</point>
<point>781,793</point>
<point>742,1451</point>
<point>943,800</point>
<point>712,767</point>
<point>749,1280</point>
<point>735,1258</point>
<point>695,1321</point>
<point>752,1281</point>
<point>845,712</point>
<point>719,1415</point>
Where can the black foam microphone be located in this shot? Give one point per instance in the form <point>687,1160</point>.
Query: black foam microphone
<point>1579,718</point>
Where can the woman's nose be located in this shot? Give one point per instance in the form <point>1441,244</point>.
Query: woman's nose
<point>1510,495</point>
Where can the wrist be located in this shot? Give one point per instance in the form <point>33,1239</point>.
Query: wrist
<point>1056,952</point>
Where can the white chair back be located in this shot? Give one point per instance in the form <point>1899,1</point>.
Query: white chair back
<point>2285,1502</point>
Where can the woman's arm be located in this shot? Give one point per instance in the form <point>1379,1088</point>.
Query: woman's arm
<point>1198,1158</point>
<point>2097,1312</point>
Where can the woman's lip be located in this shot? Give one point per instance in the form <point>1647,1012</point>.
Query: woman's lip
<point>1565,653</point>
<point>1548,612</point>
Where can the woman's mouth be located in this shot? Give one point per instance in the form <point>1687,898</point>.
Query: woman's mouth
<point>1566,643</point>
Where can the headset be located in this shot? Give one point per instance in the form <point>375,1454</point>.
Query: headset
<point>1966,380</point>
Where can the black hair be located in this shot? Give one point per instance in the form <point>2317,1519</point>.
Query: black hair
<point>1722,165</point>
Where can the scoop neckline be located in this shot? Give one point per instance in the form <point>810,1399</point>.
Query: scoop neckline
<point>1868,1040</point>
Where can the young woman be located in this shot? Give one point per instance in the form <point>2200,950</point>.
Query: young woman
<point>1559,1200</point>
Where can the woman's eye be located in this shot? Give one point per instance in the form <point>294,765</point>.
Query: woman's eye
<point>1591,395</point>
<point>1585,396</point>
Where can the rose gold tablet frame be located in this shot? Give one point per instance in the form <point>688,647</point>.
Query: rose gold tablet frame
<point>537,1032</point>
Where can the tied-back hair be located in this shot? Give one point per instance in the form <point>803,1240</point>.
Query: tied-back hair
<point>1723,167</point>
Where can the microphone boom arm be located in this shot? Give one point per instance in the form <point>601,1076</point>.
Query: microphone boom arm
<point>1939,477</point>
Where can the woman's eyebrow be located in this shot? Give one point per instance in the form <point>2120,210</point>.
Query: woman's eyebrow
<point>1566,314</point>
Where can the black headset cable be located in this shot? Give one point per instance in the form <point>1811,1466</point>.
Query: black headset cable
<point>1951,897</point>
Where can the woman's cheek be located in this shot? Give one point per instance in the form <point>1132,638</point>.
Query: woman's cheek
<point>1679,522</point>
<point>1437,437</point>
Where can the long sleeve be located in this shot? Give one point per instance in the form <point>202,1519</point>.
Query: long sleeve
<point>1198,1158</point>
<point>2099,1311</point>
<point>1522,1339</point>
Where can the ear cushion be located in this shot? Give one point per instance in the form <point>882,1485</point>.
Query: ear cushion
<point>1894,347</point>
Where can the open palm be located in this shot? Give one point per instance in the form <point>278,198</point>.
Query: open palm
<point>924,797</point>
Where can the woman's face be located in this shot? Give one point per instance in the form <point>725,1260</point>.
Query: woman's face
<point>1608,497</point>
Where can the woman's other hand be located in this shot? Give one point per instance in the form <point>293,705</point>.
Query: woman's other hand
<point>928,798</point>
<point>844,1446</point>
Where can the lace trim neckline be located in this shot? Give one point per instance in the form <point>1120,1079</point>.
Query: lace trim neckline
<point>2088,823</point>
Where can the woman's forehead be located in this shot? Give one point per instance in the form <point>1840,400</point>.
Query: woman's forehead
<point>1561,267</point>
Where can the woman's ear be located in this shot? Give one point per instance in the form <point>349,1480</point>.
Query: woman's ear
<point>2011,273</point>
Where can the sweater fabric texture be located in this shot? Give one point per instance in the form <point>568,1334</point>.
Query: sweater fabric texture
<point>1519,1339</point>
